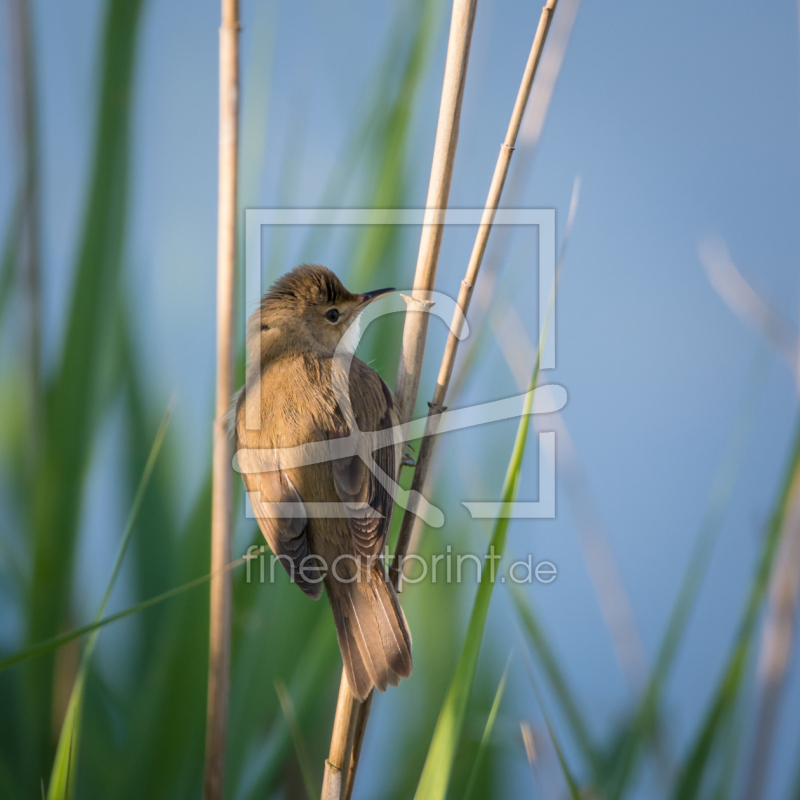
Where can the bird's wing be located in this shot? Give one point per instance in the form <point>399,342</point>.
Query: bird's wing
<point>282,518</point>
<point>369,503</point>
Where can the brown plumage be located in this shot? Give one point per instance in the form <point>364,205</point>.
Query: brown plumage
<point>298,326</point>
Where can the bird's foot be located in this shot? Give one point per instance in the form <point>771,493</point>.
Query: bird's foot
<point>408,459</point>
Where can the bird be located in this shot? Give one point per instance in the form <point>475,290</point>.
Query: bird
<point>300,341</point>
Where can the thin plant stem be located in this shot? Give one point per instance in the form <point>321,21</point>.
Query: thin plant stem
<point>598,554</point>
<point>569,779</point>
<point>54,642</point>
<point>438,767</point>
<point>344,725</point>
<point>60,783</point>
<point>527,144</point>
<point>487,732</point>
<point>360,726</point>
<point>444,153</point>
<point>222,488</point>
<point>436,406</point>
<point>416,321</point>
<point>722,705</point>
<point>301,750</point>
<point>776,646</point>
<point>351,716</point>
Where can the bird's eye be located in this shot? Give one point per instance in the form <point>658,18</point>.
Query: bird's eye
<point>332,315</point>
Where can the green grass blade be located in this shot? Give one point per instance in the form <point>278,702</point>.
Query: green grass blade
<point>313,786</point>
<point>319,661</point>
<point>721,494</point>
<point>137,504</point>
<point>62,778</point>
<point>724,701</point>
<point>487,732</point>
<point>8,260</point>
<point>439,762</point>
<point>389,95</point>
<point>729,761</point>
<point>438,765</point>
<point>72,414</point>
<point>645,718</point>
<point>795,793</point>
<point>572,784</point>
<point>163,756</point>
<point>54,642</point>
<point>156,558</point>
<point>538,643</point>
<point>63,775</point>
<point>574,791</point>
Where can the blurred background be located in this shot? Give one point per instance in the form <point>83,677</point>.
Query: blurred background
<point>662,124</point>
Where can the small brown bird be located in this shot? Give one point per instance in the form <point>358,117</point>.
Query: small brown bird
<point>299,325</point>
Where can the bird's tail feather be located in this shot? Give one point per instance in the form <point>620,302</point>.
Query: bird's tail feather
<point>373,633</point>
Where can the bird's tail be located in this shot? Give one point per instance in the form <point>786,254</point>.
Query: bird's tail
<point>372,630</point>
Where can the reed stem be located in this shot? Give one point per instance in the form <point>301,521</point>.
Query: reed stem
<point>222,487</point>
<point>338,761</point>
<point>416,322</point>
<point>444,154</point>
<point>351,716</point>
<point>436,406</point>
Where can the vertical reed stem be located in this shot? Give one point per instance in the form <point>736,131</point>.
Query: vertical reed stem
<point>221,501</point>
<point>416,322</point>
<point>444,154</point>
<point>436,406</point>
<point>337,763</point>
<point>416,325</point>
<point>351,716</point>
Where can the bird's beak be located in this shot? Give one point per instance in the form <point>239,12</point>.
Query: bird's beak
<point>368,297</point>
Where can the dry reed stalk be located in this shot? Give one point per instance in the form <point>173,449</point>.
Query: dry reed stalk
<point>532,752</point>
<point>222,488</point>
<point>748,304</point>
<point>344,726</point>
<point>444,154</point>
<point>527,144</point>
<point>359,729</point>
<point>416,323</point>
<point>436,406</point>
<point>351,716</point>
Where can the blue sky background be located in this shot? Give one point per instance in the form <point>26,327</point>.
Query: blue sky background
<point>681,120</point>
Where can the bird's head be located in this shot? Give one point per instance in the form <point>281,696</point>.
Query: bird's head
<point>308,309</point>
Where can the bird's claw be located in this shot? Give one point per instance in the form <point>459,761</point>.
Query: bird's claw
<point>409,460</point>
